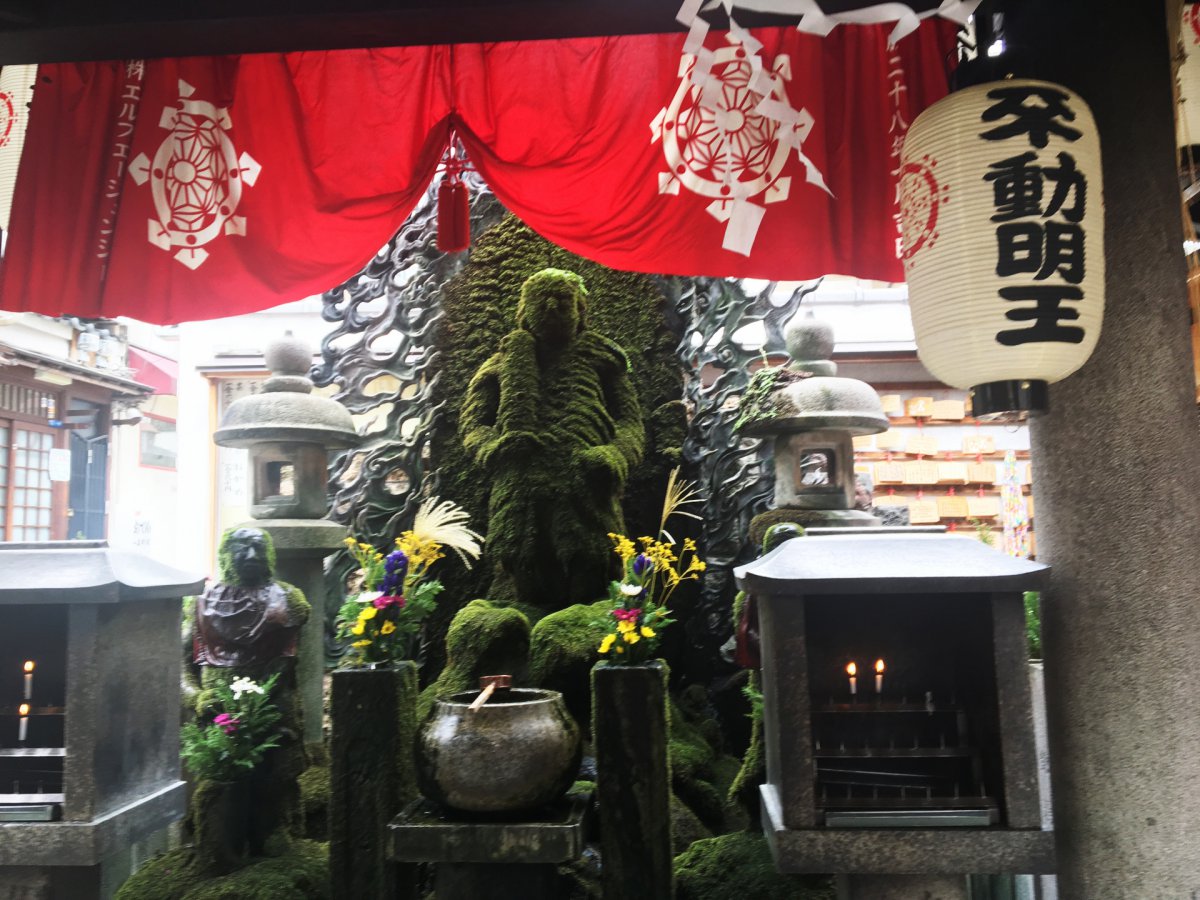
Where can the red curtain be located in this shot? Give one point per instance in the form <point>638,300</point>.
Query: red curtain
<point>195,188</point>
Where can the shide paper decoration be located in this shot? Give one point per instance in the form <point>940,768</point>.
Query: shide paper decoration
<point>1002,211</point>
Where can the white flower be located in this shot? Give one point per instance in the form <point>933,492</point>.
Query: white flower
<point>244,685</point>
<point>445,522</point>
<point>368,596</point>
<point>630,590</point>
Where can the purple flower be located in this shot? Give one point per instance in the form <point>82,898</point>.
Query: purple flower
<point>642,564</point>
<point>394,568</point>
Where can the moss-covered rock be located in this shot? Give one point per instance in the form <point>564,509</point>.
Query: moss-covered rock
<point>739,866</point>
<point>700,773</point>
<point>562,651</point>
<point>686,827</point>
<point>483,639</point>
<point>314,798</point>
<point>300,874</point>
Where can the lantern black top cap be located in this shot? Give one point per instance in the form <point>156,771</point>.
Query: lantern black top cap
<point>1009,400</point>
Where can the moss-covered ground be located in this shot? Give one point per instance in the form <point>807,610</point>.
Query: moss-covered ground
<point>302,873</point>
<point>739,867</point>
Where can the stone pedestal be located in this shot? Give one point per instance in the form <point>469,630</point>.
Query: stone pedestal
<point>492,860</point>
<point>633,780</point>
<point>372,778</point>
<point>301,546</point>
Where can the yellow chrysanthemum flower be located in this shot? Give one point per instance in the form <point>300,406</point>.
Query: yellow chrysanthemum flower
<point>358,628</point>
<point>358,645</point>
<point>367,613</point>
<point>630,637</point>
<point>606,644</point>
<point>647,632</point>
<point>626,626</point>
<point>388,628</point>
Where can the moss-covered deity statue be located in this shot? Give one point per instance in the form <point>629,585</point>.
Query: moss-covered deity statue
<point>552,418</point>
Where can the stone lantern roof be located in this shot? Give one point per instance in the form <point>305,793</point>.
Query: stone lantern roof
<point>807,394</point>
<point>285,409</point>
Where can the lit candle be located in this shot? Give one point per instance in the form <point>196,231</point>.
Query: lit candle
<point>28,679</point>
<point>852,671</point>
<point>23,723</point>
<point>879,676</point>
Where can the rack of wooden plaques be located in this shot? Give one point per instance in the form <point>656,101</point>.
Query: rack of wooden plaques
<point>944,466</point>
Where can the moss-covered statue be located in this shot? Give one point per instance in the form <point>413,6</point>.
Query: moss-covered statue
<point>247,625</point>
<point>554,421</point>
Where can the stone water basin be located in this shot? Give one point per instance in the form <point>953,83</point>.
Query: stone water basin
<point>519,751</point>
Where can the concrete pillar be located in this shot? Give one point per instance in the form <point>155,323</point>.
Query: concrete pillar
<point>1117,468</point>
<point>902,887</point>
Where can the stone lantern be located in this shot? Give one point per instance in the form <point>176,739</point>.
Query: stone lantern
<point>289,433</point>
<point>812,414</point>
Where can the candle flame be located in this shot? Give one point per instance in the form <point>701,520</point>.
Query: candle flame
<point>23,709</point>
<point>851,670</point>
<point>28,667</point>
<point>879,666</point>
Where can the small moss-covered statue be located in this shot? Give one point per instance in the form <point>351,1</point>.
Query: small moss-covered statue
<point>247,625</point>
<point>554,421</point>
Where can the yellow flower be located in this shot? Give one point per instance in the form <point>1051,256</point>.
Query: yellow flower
<point>350,542</point>
<point>388,628</point>
<point>623,547</point>
<point>689,544</point>
<point>606,644</point>
<point>625,626</point>
<point>620,649</point>
<point>358,645</point>
<point>359,628</point>
<point>631,637</point>
<point>647,632</point>
<point>366,613</point>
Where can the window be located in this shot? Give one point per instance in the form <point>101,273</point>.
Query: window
<point>159,443</point>
<point>25,477</point>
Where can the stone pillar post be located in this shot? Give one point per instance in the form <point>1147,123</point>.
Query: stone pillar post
<point>1117,468</point>
<point>372,777</point>
<point>633,781</point>
<point>301,546</point>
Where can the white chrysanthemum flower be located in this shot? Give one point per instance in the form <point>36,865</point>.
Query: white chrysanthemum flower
<point>368,596</point>
<point>244,685</point>
<point>445,522</point>
<point>631,590</point>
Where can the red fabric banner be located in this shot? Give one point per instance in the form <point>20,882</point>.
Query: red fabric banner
<point>194,188</point>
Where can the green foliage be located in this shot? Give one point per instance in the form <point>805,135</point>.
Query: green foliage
<point>386,628</point>
<point>755,404</point>
<point>242,730</point>
<point>983,531</point>
<point>1033,623</point>
<point>737,866</point>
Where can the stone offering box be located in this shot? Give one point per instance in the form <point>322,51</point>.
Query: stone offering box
<point>929,766</point>
<point>98,768</point>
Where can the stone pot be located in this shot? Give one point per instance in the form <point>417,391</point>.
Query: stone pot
<point>519,751</point>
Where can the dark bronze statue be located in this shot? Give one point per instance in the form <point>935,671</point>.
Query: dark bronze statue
<point>247,620</point>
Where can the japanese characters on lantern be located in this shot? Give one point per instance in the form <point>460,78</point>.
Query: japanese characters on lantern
<point>1002,216</point>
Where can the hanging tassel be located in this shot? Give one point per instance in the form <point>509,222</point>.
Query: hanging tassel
<point>454,209</point>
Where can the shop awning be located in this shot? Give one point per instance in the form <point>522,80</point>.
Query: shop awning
<point>157,371</point>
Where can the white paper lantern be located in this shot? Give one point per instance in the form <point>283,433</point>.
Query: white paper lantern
<point>1187,124</point>
<point>16,93</point>
<point>1002,214</point>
